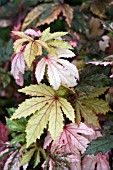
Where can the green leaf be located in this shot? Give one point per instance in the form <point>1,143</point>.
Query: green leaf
<point>97,105</point>
<point>11,111</point>
<point>96,92</point>
<point>47,107</point>
<point>87,114</point>
<point>59,43</point>
<point>15,125</point>
<point>18,139</point>
<point>37,158</point>
<point>9,49</point>
<point>101,144</point>
<point>23,147</point>
<point>27,156</point>
<point>98,8</point>
<point>62,91</point>
<point>5,80</point>
<point>88,105</point>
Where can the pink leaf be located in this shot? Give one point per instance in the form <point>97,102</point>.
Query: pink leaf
<point>14,161</point>
<point>65,53</point>
<point>59,71</point>
<point>104,63</point>
<point>18,67</point>
<point>39,73</point>
<point>95,135</point>
<point>90,161</point>
<point>70,67</point>
<point>73,43</point>
<point>51,164</point>
<point>33,33</point>
<point>104,43</point>
<point>72,140</point>
<point>75,166</point>
<point>103,161</point>
<point>47,141</point>
<point>3,134</point>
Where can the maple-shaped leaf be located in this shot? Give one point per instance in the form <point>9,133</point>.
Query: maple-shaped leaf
<point>39,15</point>
<point>71,138</point>
<point>46,106</point>
<point>46,35</point>
<point>88,115</point>
<point>32,49</point>
<point>100,162</point>
<point>55,40</point>
<point>71,141</point>
<point>46,40</point>
<point>59,71</point>
<point>88,106</point>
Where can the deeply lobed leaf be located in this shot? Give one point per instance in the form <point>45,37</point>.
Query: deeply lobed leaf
<point>46,107</point>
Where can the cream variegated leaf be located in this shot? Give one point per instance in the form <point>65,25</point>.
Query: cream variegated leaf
<point>29,106</point>
<point>30,52</point>
<point>38,90</point>
<point>45,34</point>
<point>56,120</point>
<point>22,35</point>
<point>59,44</point>
<point>39,51</point>
<point>46,107</point>
<point>27,156</point>
<point>56,35</point>
<point>18,44</point>
<point>67,109</point>
<point>36,124</point>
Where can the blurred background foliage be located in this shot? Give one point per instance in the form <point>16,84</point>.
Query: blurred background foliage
<point>86,21</point>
